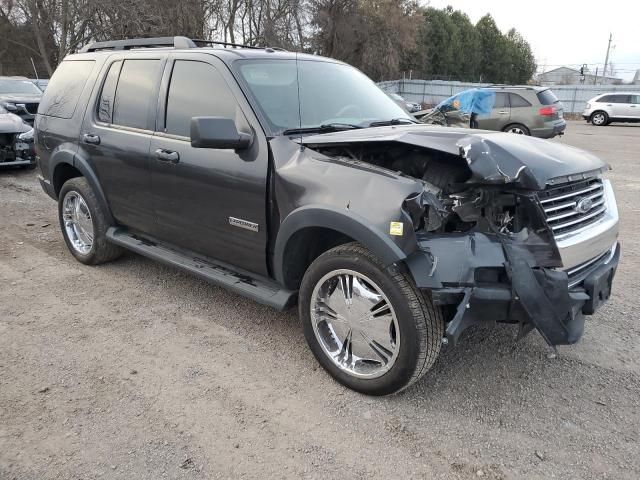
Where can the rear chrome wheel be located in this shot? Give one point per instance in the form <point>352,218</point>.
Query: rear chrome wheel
<point>517,129</point>
<point>77,222</point>
<point>355,323</point>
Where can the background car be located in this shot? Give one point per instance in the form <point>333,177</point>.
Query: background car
<point>613,107</point>
<point>16,141</point>
<point>410,107</point>
<point>41,83</point>
<point>18,95</point>
<point>525,110</point>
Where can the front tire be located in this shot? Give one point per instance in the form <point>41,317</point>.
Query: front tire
<point>83,224</point>
<point>599,118</point>
<point>368,325</point>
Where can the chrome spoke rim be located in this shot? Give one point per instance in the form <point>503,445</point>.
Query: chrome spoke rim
<point>77,222</point>
<point>355,324</point>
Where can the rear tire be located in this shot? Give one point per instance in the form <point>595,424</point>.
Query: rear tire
<point>599,118</point>
<point>368,325</point>
<point>83,224</point>
<point>517,128</point>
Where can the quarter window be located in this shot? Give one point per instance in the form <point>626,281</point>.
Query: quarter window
<point>65,88</point>
<point>134,93</point>
<point>196,90</point>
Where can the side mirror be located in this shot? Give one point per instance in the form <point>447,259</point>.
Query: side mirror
<point>218,132</point>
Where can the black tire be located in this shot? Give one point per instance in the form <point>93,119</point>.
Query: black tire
<point>101,250</point>
<point>599,118</point>
<point>420,322</point>
<point>516,128</point>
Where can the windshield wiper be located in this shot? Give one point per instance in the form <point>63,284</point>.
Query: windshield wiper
<point>327,127</point>
<point>393,121</point>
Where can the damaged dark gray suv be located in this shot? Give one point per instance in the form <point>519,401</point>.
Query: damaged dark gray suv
<point>291,178</point>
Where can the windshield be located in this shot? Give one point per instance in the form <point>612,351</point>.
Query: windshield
<point>18,86</point>
<point>330,93</point>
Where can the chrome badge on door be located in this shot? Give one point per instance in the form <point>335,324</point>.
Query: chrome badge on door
<point>238,222</point>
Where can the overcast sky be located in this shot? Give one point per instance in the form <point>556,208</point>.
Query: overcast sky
<point>567,32</point>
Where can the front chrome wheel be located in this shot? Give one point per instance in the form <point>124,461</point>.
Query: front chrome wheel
<point>598,119</point>
<point>77,222</point>
<point>355,324</point>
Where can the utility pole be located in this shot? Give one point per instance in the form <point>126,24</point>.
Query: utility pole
<point>606,60</point>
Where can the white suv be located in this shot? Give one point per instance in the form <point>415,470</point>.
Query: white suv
<point>613,107</point>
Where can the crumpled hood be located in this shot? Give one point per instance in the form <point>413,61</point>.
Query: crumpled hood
<point>11,123</point>
<point>493,157</point>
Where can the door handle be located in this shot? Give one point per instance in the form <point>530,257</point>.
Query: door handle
<point>633,106</point>
<point>167,156</point>
<point>91,139</point>
<point>503,112</point>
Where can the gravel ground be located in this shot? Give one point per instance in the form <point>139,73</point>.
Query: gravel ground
<point>136,371</point>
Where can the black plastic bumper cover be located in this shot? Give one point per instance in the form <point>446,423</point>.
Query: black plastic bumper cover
<point>535,296</point>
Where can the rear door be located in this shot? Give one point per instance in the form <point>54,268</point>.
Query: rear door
<point>210,201</point>
<point>500,114</point>
<point>521,110</point>
<point>117,132</point>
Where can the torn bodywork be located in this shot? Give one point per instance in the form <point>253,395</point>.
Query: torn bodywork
<point>477,214</point>
<point>16,140</point>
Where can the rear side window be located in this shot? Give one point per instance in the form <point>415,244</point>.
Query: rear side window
<point>196,90</point>
<point>65,88</point>
<point>108,94</point>
<point>134,93</point>
<point>502,100</point>
<point>518,101</point>
<point>547,97</point>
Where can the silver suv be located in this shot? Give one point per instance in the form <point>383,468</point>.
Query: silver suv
<point>613,107</point>
<point>534,111</point>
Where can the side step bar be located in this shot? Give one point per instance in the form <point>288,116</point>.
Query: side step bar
<point>260,289</point>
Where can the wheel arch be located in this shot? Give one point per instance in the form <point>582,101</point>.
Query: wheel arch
<point>66,165</point>
<point>310,231</point>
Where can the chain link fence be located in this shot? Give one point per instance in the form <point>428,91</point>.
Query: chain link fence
<point>431,92</point>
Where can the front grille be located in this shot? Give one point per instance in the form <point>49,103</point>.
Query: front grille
<point>560,205</point>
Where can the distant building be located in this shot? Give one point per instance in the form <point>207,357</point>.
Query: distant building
<point>571,76</point>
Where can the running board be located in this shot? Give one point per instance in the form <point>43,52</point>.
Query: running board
<point>260,289</point>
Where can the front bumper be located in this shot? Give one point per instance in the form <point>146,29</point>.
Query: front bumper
<point>489,280</point>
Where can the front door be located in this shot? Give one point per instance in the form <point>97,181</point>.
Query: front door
<point>210,201</point>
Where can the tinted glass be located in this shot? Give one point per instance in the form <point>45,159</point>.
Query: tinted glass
<point>64,88</point>
<point>518,101</point>
<point>196,90</point>
<point>547,97</point>
<point>621,99</point>
<point>312,93</point>
<point>606,99</point>
<point>134,93</point>
<point>18,86</point>
<point>635,99</point>
<point>502,100</point>
<point>107,97</point>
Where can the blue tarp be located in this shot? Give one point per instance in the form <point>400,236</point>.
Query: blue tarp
<point>474,100</point>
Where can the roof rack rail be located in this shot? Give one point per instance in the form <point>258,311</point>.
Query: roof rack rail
<point>167,42</point>
<point>172,42</point>
<point>200,42</point>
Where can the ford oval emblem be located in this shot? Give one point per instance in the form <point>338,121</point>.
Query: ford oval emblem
<point>583,205</point>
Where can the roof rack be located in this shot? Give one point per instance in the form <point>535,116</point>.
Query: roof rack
<point>166,42</point>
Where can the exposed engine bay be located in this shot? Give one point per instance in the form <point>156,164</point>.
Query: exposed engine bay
<point>16,140</point>
<point>465,213</point>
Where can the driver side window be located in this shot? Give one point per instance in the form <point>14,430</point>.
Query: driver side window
<point>198,90</point>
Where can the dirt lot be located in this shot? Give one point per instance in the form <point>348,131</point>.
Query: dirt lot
<point>136,371</point>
